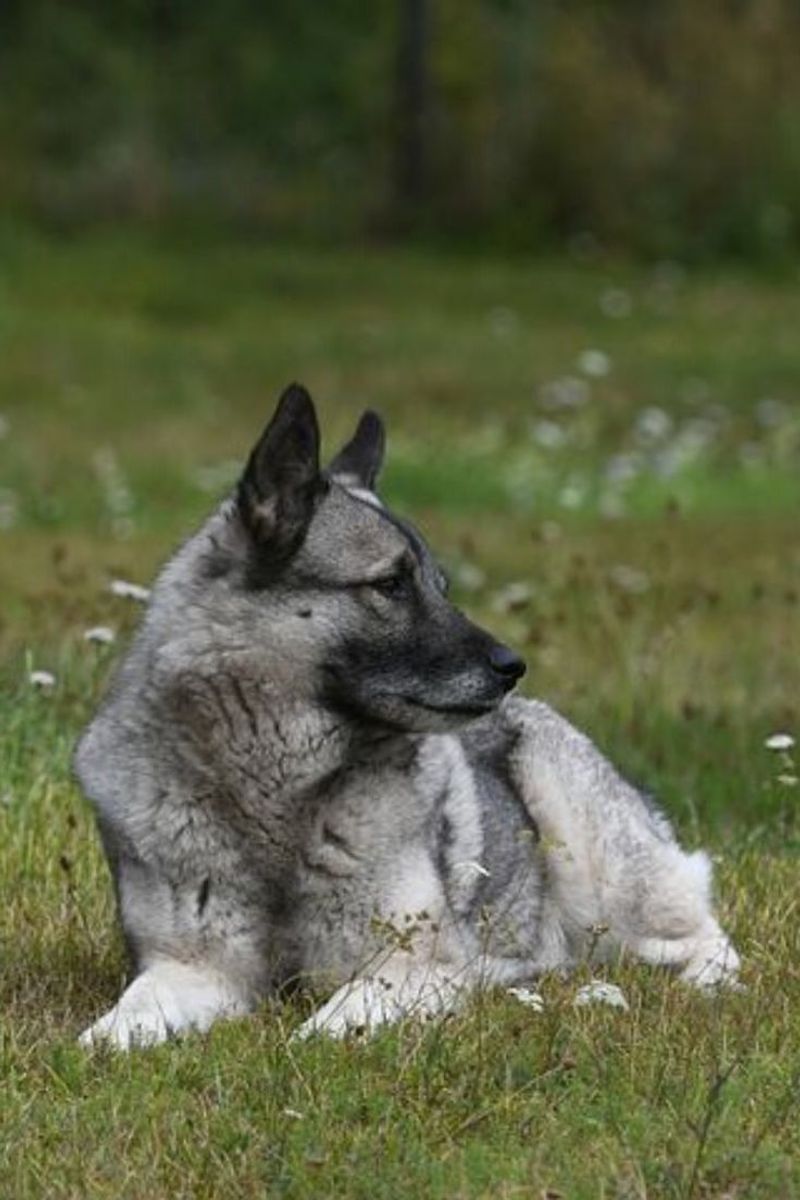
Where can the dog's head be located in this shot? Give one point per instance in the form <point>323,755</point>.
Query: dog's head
<point>339,595</point>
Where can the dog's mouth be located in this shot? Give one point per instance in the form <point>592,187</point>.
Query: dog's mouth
<point>452,710</point>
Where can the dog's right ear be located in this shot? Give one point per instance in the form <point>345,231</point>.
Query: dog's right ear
<point>358,463</point>
<point>281,482</point>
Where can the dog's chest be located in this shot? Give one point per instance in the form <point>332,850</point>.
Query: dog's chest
<point>365,868</point>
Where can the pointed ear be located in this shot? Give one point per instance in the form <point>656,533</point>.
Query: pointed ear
<point>281,481</point>
<point>360,461</point>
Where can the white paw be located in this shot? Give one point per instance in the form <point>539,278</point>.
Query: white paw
<point>125,1026</point>
<point>714,965</point>
<point>362,1005</point>
<point>358,1007</point>
<point>166,1000</point>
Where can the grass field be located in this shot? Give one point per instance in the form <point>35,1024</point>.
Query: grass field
<point>608,460</point>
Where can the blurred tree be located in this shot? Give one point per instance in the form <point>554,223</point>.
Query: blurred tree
<point>412,110</point>
<point>663,127</point>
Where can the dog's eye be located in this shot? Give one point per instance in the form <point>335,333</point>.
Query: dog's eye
<point>392,587</point>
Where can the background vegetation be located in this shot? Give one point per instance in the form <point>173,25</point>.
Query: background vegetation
<point>663,127</point>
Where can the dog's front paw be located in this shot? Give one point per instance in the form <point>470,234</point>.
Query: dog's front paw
<point>713,965</point>
<point>126,1026</point>
<point>169,998</point>
<point>357,1008</point>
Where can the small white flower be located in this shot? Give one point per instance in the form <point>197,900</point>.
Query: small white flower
<point>503,322</point>
<point>616,303</point>
<point>512,598</point>
<point>9,509</point>
<point>548,434</point>
<point>527,997</point>
<point>771,413</point>
<point>599,992</point>
<point>652,424</point>
<point>42,679</point>
<point>293,1113</point>
<point>594,363</point>
<point>472,865</point>
<point>101,634</point>
<point>470,577</point>
<point>629,579</point>
<point>779,741</point>
<point>572,495</point>
<point>129,591</point>
<point>569,392</point>
<point>622,468</point>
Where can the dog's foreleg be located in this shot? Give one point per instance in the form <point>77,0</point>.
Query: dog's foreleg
<point>168,998</point>
<point>616,878</point>
<point>402,987</point>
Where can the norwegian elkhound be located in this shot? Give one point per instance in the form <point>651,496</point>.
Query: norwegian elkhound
<point>309,768</point>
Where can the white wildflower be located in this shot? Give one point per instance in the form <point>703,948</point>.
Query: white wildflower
<point>548,434</point>
<point>9,509</point>
<point>512,597</point>
<point>45,680</point>
<point>503,322</point>
<point>572,494</point>
<point>294,1114</point>
<point>129,591</point>
<point>622,468</point>
<point>568,392</point>
<point>653,424</point>
<point>594,363</point>
<point>599,992</point>
<point>616,302</point>
<point>529,998</point>
<point>116,492</point>
<point>629,579</point>
<point>779,741</point>
<point>100,634</point>
<point>771,413</point>
<point>469,577</point>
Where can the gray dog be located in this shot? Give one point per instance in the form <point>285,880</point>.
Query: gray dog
<point>309,768</point>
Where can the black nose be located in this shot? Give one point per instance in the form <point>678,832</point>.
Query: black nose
<point>507,663</point>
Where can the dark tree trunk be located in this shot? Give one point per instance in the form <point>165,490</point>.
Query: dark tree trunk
<point>411,110</point>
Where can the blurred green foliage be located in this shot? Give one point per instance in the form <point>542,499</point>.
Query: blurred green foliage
<point>661,127</point>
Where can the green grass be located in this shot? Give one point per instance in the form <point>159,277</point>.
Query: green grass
<point>669,631</point>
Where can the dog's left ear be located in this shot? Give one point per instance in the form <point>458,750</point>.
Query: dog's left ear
<point>281,482</point>
<point>358,463</point>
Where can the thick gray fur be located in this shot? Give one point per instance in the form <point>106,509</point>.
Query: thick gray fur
<point>308,769</point>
